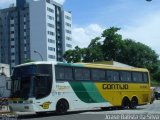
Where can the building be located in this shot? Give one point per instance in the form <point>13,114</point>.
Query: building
<point>34,30</point>
<point>4,77</point>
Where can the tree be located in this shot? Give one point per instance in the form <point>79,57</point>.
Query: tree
<point>94,51</point>
<point>139,55</point>
<point>113,44</point>
<point>91,54</point>
<point>72,56</point>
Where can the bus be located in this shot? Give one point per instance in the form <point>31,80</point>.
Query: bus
<point>62,87</point>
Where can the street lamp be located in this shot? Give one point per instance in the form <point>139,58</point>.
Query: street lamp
<point>38,54</point>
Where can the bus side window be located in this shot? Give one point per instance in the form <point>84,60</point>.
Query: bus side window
<point>137,77</point>
<point>82,74</point>
<point>68,73</point>
<point>125,76</point>
<point>145,77</point>
<point>113,76</point>
<point>60,73</point>
<point>98,75</point>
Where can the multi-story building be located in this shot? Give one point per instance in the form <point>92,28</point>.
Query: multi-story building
<point>32,27</point>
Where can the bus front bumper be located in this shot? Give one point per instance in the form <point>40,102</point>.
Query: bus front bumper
<point>22,107</point>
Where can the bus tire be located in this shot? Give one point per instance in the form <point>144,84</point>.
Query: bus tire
<point>133,103</point>
<point>62,107</point>
<point>125,103</point>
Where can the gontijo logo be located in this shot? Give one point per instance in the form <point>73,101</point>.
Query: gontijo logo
<point>45,105</point>
<point>115,86</point>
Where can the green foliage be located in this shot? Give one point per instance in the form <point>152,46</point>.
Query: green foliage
<point>139,55</point>
<point>72,56</point>
<point>113,44</point>
<point>94,51</point>
<point>156,75</point>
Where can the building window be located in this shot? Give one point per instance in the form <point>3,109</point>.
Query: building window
<point>51,41</point>
<point>12,25</point>
<point>68,38</point>
<point>51,33</point>
<point>68,31</point>
<point>25,52</point>
<point>50,10</point>
<point>50,17</point>
<point>51,56</point>
<point>68,24</point>
<point>13,61</point>
<point>68,45</point>
<point>12,32</point>
<point>50,25</point>
<point>67,17</point>
<point>51,48</point>
<point>12,46</point>
<point>25,34</point>
<point>12,18</point>
<point>12,54</point>
<point>12,39</point>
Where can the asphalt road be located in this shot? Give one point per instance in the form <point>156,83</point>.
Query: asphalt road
<point>150,109</point>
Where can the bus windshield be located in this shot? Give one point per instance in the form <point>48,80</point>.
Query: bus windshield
<point>31,81</point>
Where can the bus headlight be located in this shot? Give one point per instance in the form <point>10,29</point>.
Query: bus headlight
<point>28,101</point>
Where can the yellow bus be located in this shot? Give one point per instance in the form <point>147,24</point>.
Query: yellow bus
<point>61,87</point>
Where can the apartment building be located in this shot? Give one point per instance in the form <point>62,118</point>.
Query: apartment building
<point>34,30</point>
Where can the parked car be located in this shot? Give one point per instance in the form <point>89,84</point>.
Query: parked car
<point>157,93</point>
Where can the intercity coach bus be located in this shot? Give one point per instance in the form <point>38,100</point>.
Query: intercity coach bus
<point>61,87</point>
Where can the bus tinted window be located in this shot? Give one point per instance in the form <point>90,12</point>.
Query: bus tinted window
<point>112,75</point>
<point>125,76</point>
<point>44,69</point>
<point>64,73</point>
<point>98,75</point>
<point>82,74</point>
<point>68,73</point>
<point>60,73</point>
<point>145,77</point>
<point>137,77</point>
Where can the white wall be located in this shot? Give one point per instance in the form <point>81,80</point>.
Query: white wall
<point>53,45</point>
<point>67,28</point>
<point>6,69</point>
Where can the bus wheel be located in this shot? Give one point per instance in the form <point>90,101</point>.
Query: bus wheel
<point>133,103</point>
<point>62,107</point>
<point>125,103</point>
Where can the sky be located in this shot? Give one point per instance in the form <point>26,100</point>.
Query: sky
<point>138,19</point>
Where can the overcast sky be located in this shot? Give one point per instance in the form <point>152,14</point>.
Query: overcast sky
<point>138,19</point>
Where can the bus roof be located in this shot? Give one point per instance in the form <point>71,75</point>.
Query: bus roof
<point>89,65</point>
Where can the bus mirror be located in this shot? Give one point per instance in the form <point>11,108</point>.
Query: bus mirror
<point>8,85</point>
